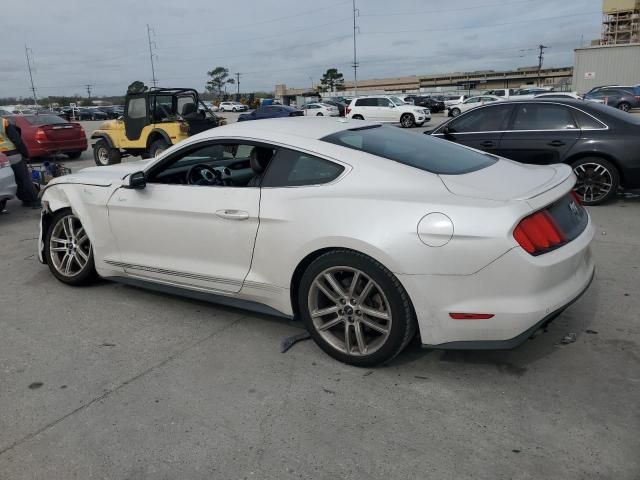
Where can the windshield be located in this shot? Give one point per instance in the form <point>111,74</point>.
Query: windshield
<point>420,151</point>
<point>44,120</point>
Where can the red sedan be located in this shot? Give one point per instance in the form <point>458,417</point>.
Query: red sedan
<point>46,135</point>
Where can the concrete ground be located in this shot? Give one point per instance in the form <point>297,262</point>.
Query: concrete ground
<point>115,382</point>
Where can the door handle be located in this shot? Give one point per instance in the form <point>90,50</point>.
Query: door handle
<point>487,143</point>
<point>233,214</point>
<point>556,143</point>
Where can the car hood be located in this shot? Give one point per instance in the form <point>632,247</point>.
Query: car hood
<point>507,180</point>
<point>102,176</point>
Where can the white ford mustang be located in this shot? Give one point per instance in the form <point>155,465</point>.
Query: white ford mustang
<point>365,232</point>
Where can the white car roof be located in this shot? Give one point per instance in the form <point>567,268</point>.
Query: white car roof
<point>305,127</point>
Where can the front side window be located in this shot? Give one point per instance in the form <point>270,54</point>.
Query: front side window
<point>213,164</point>
<point>532,116</point>
<point>137,108</point>
<point>423,152</point>
<point>383,102</point>
<point>488,119</point>
<point>397,101</point>
<point>290,168</point>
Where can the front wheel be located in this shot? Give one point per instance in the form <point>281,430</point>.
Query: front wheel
<point>319,114</point>
<point>234,109</point>
<point>357,117</point>
<point>598,180</point>
<point>68,250</point>
<point>407,120</point>
<point>104,155</point>
<point>355,309</point>
<point>455,112</point>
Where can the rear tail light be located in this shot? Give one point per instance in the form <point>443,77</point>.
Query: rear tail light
<point>347,110</point>
<point>4,161</point>
<point>40,135</point>
<point>538,233</point>
<point>471,316</point>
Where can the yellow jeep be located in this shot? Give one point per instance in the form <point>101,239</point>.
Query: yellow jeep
<point>153,121</point>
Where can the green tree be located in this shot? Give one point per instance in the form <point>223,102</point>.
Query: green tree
<point>137,87</point>
<point>331,81</point>
<point>218,80</point>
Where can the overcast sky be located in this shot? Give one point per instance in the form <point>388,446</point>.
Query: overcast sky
<point>77,42</point>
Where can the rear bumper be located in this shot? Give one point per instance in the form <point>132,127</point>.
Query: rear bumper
<point>8,185</point>
<point>521,291</point>
<point>47,148</point>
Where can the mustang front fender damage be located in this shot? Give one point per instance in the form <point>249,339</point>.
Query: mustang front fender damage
<point>87,202</point>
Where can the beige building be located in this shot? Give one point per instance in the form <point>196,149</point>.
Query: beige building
<point>620,22</point>
<point>446,82</point>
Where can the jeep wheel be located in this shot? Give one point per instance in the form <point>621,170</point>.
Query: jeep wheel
<point>105,155</point>
<point>158,147</point>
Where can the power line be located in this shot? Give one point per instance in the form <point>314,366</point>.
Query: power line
<point>151,55</point>
<point>540,59</point>
<point>355,57</point>
<point>89,86</point>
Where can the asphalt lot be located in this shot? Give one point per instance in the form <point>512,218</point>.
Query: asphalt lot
<point>116,382</point>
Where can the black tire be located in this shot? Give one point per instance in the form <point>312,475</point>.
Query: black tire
<point>85,275</point>
<point>157,147</point>
<point>407,120</point>
<point>455,112</point>
<point>104,155</point>
<point>234,109</point>
<point>357,117</point>
<point>319,114</point>
<point>403,324</point>
<point>594,173</point>
<point>624,106</point>
<point>74,155</point>
<point>3,204</point>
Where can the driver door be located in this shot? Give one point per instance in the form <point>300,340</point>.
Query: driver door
<point>185,235</point>
<point>135,116</point>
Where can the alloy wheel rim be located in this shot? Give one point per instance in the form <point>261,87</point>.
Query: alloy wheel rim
<point>349,310</point>
<point>406,121</point>
<point>103,156</point>
<point>624,107</point>
<point>594,181</point>
<point>69,246</point>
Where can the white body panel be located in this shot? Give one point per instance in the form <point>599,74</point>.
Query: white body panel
<point>388,114</point>
<point>376,207</point>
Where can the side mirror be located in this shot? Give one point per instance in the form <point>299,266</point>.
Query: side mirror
<point>135,181</point>
<point>391,105</point>
<point>447,130</point>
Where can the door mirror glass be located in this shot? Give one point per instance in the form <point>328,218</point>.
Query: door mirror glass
<point>447,130</point>
<point>135,181</point>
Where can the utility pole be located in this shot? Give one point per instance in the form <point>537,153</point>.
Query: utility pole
<point>33,88</point>
<point>355,57</point>
<point>237,74</point>
<point>540,59</point>
<point>88,85</point>
<point>151,55</point>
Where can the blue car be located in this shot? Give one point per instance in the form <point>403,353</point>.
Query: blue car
<point>271,111</point>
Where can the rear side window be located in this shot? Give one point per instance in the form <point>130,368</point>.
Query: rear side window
<point>420,151</point>
<point>538,116</point>
<point>587,121</point>
<point>366,102</point>
<point>295,169</point>
<point>489,119</point>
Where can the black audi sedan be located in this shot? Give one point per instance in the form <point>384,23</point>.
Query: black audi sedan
<point>601,144</point>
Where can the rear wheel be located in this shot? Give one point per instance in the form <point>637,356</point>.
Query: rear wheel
<point>407,120</point>
<point>234,109</point>
<point>455,112</point>
<point>319,114</point>
<point>74,155</point>
<point>358,117</point>
<point>68,250</point>
<point>624,106</point>
<point>104,155</point>
<point>598,180</point>
<point>355,309</point>
<point>157,147</point>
